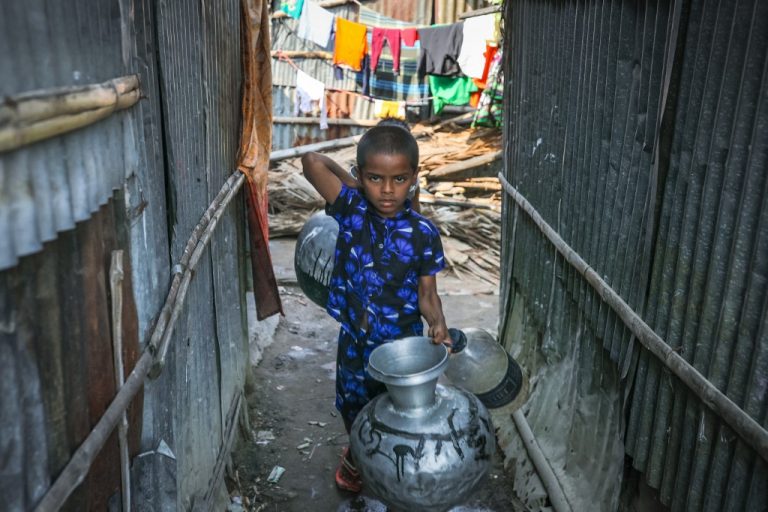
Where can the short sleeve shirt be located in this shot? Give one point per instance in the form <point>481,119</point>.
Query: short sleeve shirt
<point>378,264</point>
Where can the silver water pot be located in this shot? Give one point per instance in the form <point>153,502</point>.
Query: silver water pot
<point>480,365</point>
<point>420,446</point>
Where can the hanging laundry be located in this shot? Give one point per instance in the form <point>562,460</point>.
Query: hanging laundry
<point>389,109</point>
<point>316,24</point>
<point>476,33</point>
<point>308,91</point>
<point>409,36</point>
<point>490,52</point>
<point>350,43</point>
<point>391,35</point>
<point>490,110</point>
<point>364,76</point>
<point>450,91</point>
<point>292,7</point>
<point>440,46</point>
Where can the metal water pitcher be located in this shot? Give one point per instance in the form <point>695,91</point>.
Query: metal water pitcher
<point>420,446</point>
<point>482,366</point>
<point>313,256</point>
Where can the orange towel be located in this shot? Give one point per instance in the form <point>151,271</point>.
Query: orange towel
<point>350,44</point>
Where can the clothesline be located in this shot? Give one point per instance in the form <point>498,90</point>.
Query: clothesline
<point>455,57</point>
<point>281,56</point>
<point>424,100</point>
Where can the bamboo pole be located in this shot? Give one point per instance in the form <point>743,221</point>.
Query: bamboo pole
<point>116,291</point>
<point>331,121</point>
<point>282,154</point>
<point>231,186</point>
<point>74,472</point>
<point>42,114</point>
<point>482,185</point>
<point>78,466</point>
<point>470,163</point>
<point>554,491</point>
<point>302,54</point>
<point>464,203</point>
<point>480,12</point>
<point>738,419</point>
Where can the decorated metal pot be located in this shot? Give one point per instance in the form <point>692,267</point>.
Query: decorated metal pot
<point>314,255</point>
<point>420,446</point>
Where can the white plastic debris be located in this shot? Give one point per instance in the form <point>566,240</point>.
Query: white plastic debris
<point>275,474</point>
<point>264,437</point>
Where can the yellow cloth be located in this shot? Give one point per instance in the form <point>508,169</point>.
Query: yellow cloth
<point>389,109</point>
<point>350,44</point>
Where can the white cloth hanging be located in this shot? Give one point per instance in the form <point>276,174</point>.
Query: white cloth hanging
<point>477,31</point>
<point>315,24</point>
<point>309,90</point>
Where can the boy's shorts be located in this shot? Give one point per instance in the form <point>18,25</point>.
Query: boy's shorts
<point>354,387</point>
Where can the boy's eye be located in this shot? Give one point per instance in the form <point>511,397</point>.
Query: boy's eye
<point>400,179</point>
<point>374,178</point>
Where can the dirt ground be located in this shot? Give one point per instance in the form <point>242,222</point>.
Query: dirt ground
<point>294,424</point>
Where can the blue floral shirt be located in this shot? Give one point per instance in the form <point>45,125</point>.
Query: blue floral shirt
<point>377,267</point>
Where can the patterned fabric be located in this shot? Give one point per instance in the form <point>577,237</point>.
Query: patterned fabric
<point>378,264</point>
<point>354,387</point>
<point>292,7</point>
<point>385,83</point>
<point>490,109</point>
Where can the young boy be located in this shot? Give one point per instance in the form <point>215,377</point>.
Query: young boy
<point>387,256</point>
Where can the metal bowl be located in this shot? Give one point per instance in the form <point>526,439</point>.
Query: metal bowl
<point>410,368</point>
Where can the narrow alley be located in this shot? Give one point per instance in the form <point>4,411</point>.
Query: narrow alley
<point>294,424</point>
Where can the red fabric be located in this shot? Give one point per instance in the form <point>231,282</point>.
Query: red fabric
<point>490,52</point>
<point>410,36</point>
<point>377,44</point>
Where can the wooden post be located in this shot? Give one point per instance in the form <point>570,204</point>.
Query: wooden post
<point>116,290</point>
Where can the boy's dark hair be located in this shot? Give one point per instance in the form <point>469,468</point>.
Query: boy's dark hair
<point>393,121</point>
<point>389,140</point>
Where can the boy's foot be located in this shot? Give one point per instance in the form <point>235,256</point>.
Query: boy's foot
<point>347,476</point>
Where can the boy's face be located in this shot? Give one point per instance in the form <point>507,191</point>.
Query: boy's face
<point>385,181</point>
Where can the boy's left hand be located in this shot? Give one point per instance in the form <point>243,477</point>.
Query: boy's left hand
<point>439,334</point>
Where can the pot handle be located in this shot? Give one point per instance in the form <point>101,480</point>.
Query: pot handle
<point>458,340</point>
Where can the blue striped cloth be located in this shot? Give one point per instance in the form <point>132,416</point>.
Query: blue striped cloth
<point>384,83</point>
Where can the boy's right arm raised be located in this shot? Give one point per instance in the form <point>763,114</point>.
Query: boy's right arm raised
<point>326,175</point>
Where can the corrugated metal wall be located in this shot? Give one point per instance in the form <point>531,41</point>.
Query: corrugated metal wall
<point>412,11</point>
<point>56,370</point>
<point>682,240</point>
<point>170,154</point>
<point>200,85</point>
<point>448,11</point>
<point>49,187</point>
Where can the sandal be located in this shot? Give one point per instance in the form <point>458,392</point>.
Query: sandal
<point>347,475</point>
